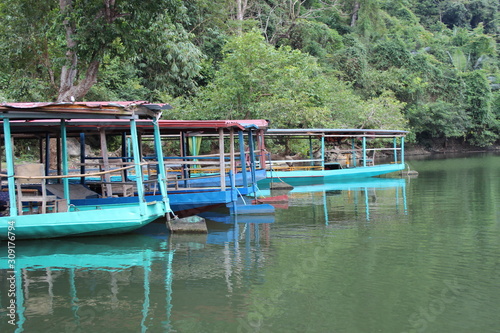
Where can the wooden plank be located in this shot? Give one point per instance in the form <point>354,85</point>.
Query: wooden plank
<point>105,161</point>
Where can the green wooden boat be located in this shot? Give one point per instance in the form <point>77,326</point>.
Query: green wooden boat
<point>354,159</point>
<point>33,213</point>
<point>97,220</point>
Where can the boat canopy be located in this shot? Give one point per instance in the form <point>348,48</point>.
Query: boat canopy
<point>214,125</point>
<point>338,132</point>
<point>117,126</point>
<point>82,110</point>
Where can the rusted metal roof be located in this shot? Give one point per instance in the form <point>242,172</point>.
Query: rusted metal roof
<point>214,124</point>
<point>347,132</point>
<point>81,110</point>
<point>42,126</point>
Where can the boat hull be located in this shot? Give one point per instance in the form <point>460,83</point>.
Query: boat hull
<point>321,176</point>
<point>84,221</point>
<point>201,180</point>
<point>179,201</point>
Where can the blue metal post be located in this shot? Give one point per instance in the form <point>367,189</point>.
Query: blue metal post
<point>40,150</point>
<point>323,152</point>
<point>222,161</point>
<point>243,159</point>
<point>9,159</point>
<point>82,157</point>
<point>252,158</point>
<point>64,153</point>
<point>354,158</point>
<point>364,151</point>
<point>47,154</point>
<point>395,150</point>
<point>138,167</point>
<point>402,150</point>
<point>232,184</point>
<point>129,148</point>
<point>124,155</point>
<point>184,154</point>
<point>311,156</point>
<point>162,173</point>
<point>58,157</point>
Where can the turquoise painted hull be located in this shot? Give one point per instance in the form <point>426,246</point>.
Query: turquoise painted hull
<point>85,221</point>
<point>321,176</point>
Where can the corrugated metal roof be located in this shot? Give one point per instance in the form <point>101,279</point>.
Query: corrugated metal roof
<point>214,124</point>
<point>123,125</point>
<point>336,132</point>
<point>81,110</point>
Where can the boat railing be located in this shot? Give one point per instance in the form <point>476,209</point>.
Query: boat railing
<point>115,178</point>
<point>178,183</point>
<point>291,165</point>
<point>38,180</point>
<point>202,164</point>
<point>368,158</point>
<point>72,175</point>
<point>179,176</point>
<point>346,158</point>
<point>206,171</point>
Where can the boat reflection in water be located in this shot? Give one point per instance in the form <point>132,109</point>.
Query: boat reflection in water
<point>126,281</point>
<point>226,227</point>
<point>160,282</point>
<point>66,285</point>
<point>350,196</point>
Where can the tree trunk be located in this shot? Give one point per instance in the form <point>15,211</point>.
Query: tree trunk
<point>241,7</point>
<point>71,92</point>
<point>68,89</point>
<point>354,17</point>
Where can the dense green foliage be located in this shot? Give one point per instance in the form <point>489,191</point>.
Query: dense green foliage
<point>428,66</point>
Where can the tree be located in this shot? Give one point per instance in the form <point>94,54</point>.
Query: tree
<point>65,42</point>
<point>315,38</point>
<point>253,74</point>
<point>287,87</point>
<point>438,120</point>
<point>478,104</point>
<point>366,17</point>
<point>278,19</point>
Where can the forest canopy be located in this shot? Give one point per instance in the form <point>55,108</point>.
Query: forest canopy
<point>431,67</point>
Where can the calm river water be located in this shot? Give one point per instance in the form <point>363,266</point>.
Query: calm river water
<point>383,255</point>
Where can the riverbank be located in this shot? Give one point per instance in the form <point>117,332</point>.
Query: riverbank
<point>411,150</point>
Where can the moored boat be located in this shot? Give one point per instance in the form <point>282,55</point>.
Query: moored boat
<point>336,154</point>
<point>35,213</point>
<point>196,180</point>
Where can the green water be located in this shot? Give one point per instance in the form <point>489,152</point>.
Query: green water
<point>392,255</point>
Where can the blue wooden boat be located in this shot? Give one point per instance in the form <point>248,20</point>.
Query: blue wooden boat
<point>195,181</point>
<point>39,214</point>
<point>354,158</point>
<point>238,163</point>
